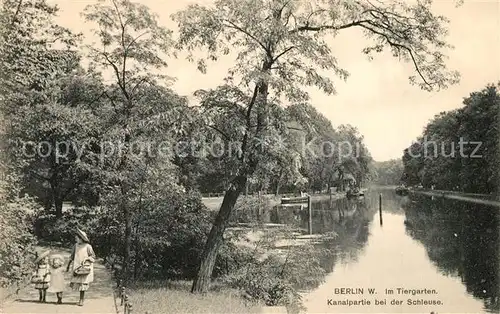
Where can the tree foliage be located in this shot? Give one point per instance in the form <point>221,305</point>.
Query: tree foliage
<point>16,240</point>
<point>281,48</point>
<point>453,153</point>
<point>133,45</point>
<point>388,172</point>
<point>133,187</point>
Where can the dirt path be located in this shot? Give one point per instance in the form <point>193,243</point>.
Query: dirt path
<point>98,299</point>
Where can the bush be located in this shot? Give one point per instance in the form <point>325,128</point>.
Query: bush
<point>16,241</point>
<point>50,230</point>
<point>168,238</point>
<point>276,279</point>
<point>246,209</point>
<point>231,259</point>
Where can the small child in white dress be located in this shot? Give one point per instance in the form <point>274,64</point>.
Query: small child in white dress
<point>57,277</point>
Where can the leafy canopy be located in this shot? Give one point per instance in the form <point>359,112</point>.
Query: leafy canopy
<point>289,38</point>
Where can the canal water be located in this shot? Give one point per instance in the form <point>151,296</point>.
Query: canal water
<point>428,255</point>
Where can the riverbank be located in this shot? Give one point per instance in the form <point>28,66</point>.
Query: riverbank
<point>213,203</point>
<point>281,244</point>
<point>483,199</point>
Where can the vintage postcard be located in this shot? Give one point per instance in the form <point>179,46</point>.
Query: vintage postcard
<point>250,156</point>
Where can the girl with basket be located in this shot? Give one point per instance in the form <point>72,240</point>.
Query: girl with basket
<point>41,276</point>
<point>83,258</point>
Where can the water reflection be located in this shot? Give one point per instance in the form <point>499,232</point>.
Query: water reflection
<point>450,246</point>
<point>392,258</point>
<point>462,240</point>
<point>348,219</point>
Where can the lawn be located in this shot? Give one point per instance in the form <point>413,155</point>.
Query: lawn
<point>175,297</point>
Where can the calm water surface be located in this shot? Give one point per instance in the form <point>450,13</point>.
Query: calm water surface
<point>449,246</point>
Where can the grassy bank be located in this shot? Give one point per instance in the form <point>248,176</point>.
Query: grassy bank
<point>484,199</point>
<point>213,203</point>
<point>293,257</point>
<point>285,258</point>
<point>175,297</point>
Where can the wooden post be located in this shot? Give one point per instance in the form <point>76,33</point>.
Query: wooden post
<point>122,295</point>
<point>310,213</point>
<point>380,207</point>
<point>259,209</point>
<point>330,191</point>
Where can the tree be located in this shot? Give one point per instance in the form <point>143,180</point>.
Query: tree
<point>280,48</point>
<point>452,153</point>
<point>26,33</point>
<point>133,45</point>
<point>318,162</point>
<point>34,75</point>
<point>54,134</point>
<point>389,172</point>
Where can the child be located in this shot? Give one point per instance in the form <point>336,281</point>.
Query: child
<point>57,277</point>
<point>41,276</point>
<point>82,254</point>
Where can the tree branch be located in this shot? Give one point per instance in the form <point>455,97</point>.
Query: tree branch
<point>117,74</point>
<point>362,24</point>
<point>282,53</point>
<point>232,25</point>
<point>399,46</point>
<point>220,132</point>
<point>124,64</point>
<point>135,39</point>
<point>39,176</point>
<point>144,79</point>
<point>327,27</point>
<point>14,17</point>
<point>248,120</point>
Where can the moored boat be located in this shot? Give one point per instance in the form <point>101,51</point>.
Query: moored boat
<point>354,193</point>
<point>402,190</point>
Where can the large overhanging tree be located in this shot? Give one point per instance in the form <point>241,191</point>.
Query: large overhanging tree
<point>281,48</point>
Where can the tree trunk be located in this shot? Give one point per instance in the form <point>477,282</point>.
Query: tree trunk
<point>58,203</point>
<point>128,238</point>
<point>237,186</point>
<point>125,207</point>
<point>341,180</point>
<point>136,254</point>
<point>215,238</point>
<point>57,200</point>
<point>278,183</point>
<point>259,208</point>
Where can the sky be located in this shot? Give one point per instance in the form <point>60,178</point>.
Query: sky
<point>377,97</point>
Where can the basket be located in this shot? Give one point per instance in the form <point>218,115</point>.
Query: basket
<point>83,270</point>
